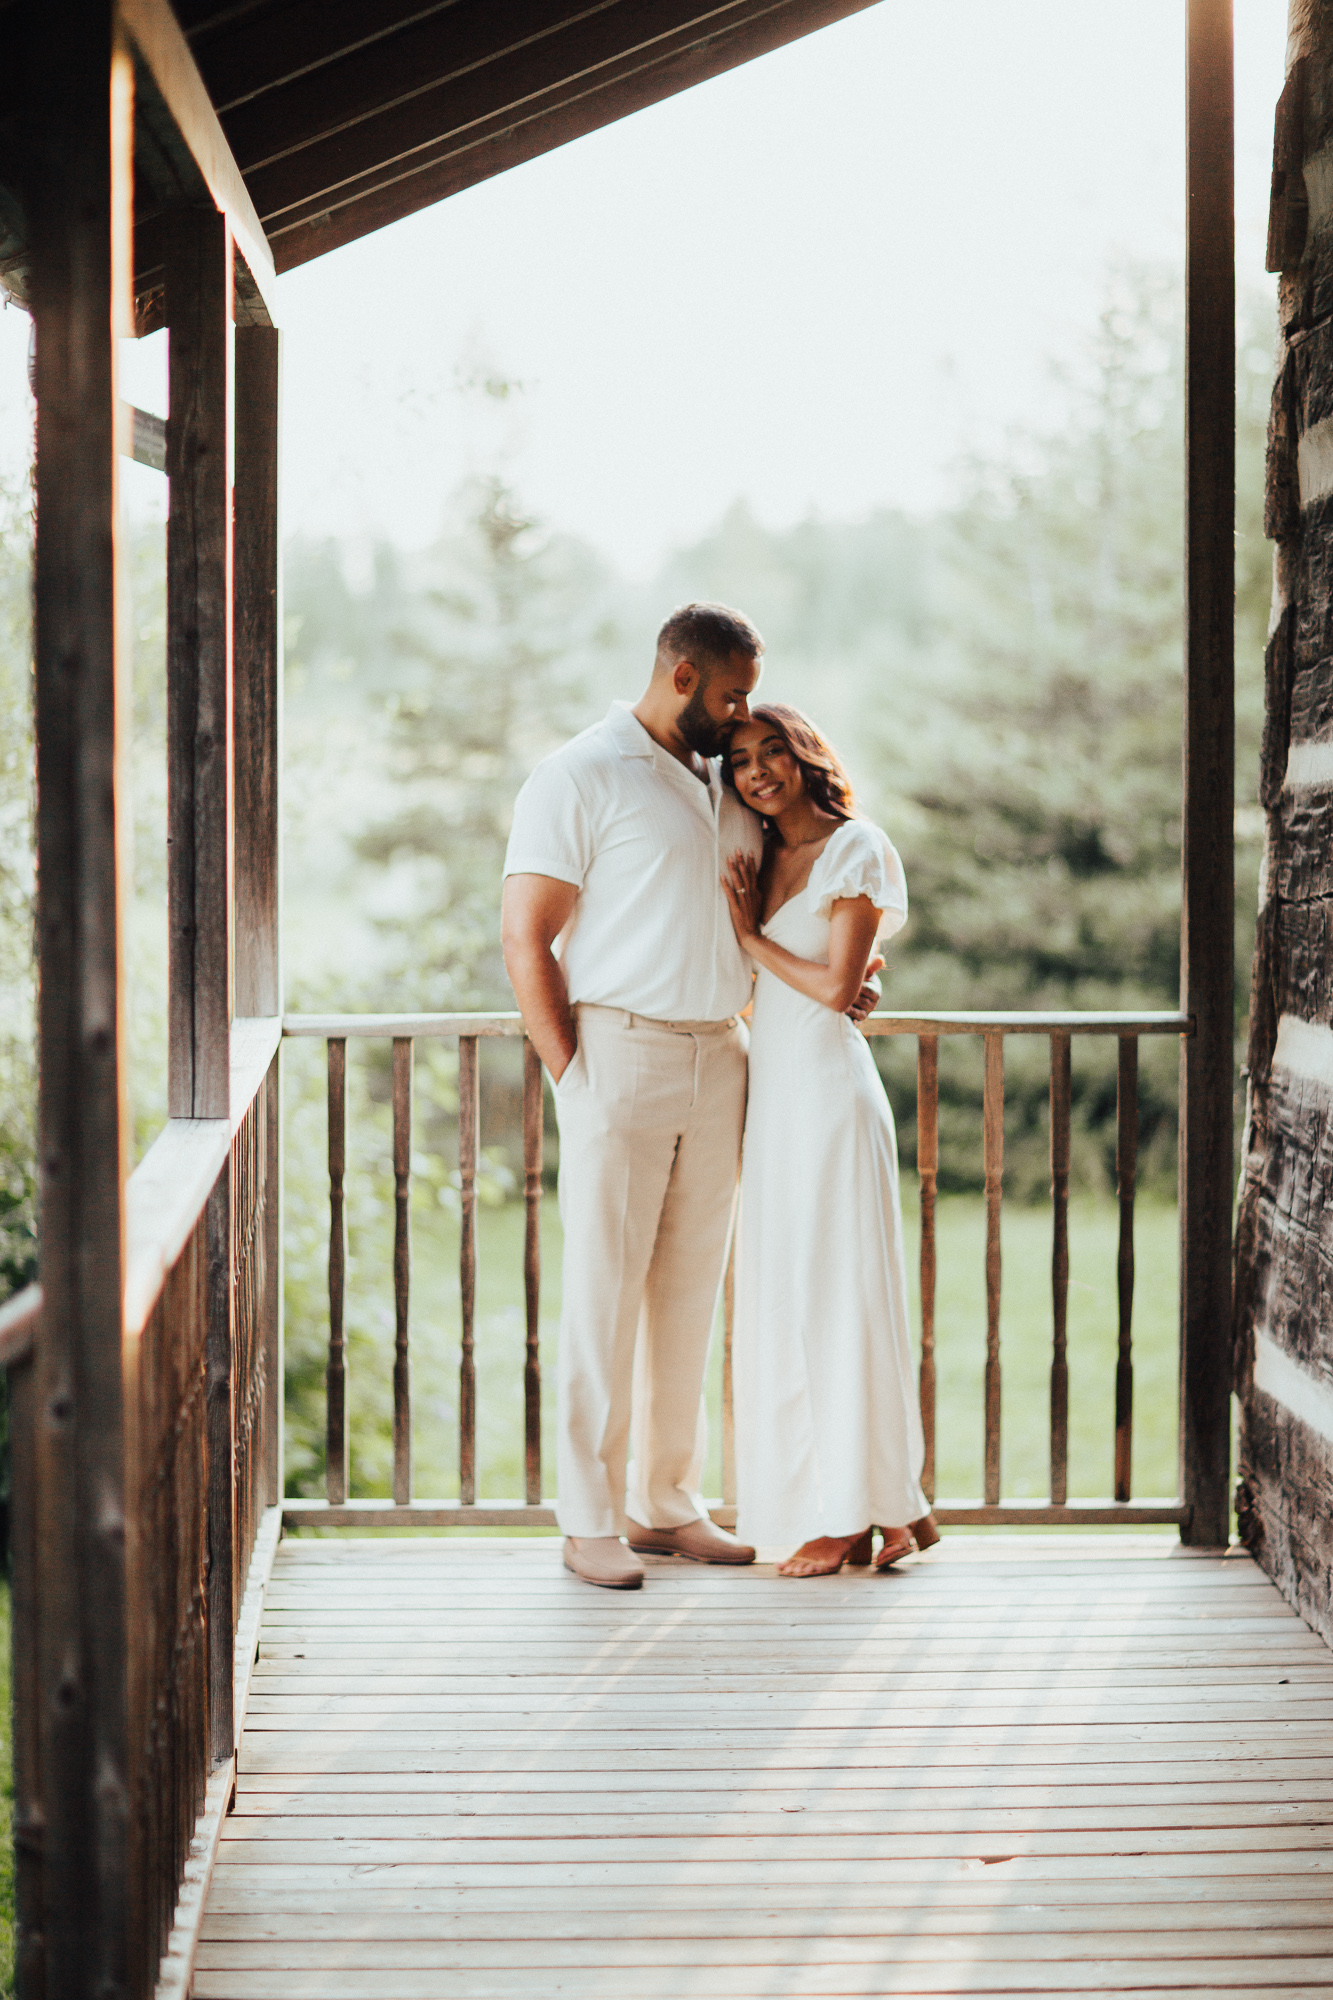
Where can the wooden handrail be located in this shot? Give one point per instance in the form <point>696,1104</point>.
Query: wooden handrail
<point>882,1022</point>
<point>168,1189</point>
<point>19,1317</point>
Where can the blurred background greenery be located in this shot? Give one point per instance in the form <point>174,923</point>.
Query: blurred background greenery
<point>1003,678</point>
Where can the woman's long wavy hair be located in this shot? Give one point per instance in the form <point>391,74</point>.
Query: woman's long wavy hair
<point>826,782</point>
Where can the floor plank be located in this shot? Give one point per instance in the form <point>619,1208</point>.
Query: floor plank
<point>1056,1765</point>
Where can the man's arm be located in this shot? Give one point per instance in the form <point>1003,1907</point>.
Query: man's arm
<point>533,912</point>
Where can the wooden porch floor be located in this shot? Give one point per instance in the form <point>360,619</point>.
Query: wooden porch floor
<point>1057,1766</point>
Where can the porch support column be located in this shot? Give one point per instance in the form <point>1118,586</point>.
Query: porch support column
<point>75,98</point>
<point>257,724</point>
<point>199,629</point>
<point>1207,933</point>
<point>199,829</point>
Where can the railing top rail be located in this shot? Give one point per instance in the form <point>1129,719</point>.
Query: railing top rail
<point>340,1026</point>
<point>336,1027</point>
<point>167,1190</point>
<point>1037,1023</point>
<point>18,1325</point>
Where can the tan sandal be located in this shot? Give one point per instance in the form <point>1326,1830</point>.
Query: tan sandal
<point>897,1543</point>
<point>925,1532</point>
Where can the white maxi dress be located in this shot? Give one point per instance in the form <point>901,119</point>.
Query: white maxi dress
<point>828,1427</point>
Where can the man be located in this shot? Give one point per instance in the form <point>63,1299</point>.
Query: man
<point>621,951</point>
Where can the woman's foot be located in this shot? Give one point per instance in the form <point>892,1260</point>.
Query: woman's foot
<point>925,1532</point>
<point>897,1543</point>
<point>826,1555</point>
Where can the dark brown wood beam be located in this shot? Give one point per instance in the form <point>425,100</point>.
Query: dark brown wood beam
<point>257,674</point>
<point>242,56</point>
<point>490,125</point>
<point>74,96</point>
<point>405,87</point>
<point>199,691</point>
<point>180,112</point>
<point>1207,925</point>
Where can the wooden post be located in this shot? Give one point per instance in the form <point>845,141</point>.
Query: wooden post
<point>1061,1091</point>
<point>199,695</point>
<point>29,1943</point>
<point>257,696</point>
<point>271,1334</point>
<point>1126,1155</point>
<point>927,1168</point>
<point>533,1118</point>
<point>402,1270</point>
<point>993,1148</point>
<point>335,1379</point>
<point>221,1427</point>
<point>1207,973</point>
<point>469,1145</point>
<point>728,1370</point>
<point>76,101</point>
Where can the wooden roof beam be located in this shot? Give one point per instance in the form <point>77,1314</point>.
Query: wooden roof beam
<point>504,110</point>
<point>166,70</point>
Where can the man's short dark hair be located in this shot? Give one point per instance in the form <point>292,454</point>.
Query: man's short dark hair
<point>707,634</point>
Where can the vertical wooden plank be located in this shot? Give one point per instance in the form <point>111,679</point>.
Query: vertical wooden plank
<point>402,1270</point>
<point>199,691</point>
<point>26,1686</point>
<point>257,696</point>
<point>469,1141</point>
<point>74,103</point>
<point>335,1421</point>
<point>927,1167</point>
<point>1126,1158</point>
<point>993,1153</point>
<point>271,1446</point>
<point>1061,1088</point>
<point>728,1378</point>
<point>1207,974</point>
<point>221,1430</point>
<point>534,1112</point>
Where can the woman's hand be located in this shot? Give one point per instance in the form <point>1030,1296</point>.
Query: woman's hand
<point>740,881</point>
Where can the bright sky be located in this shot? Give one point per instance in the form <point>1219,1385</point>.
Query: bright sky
<point>816,282</point>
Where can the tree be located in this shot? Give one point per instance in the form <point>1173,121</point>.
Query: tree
<point>1043,772</point>
<point>502,629</point>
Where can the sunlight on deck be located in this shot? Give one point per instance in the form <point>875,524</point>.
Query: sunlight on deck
<point>1049,1766</point>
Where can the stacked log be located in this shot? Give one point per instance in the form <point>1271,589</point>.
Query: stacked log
<point>1284,1251</point>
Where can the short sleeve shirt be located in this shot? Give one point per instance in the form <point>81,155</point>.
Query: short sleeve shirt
<point>644,842</point>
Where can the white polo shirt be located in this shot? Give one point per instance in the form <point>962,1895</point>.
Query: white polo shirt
<point>643,841</point>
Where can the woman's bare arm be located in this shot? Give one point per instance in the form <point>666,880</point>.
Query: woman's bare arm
<point>854,924</point>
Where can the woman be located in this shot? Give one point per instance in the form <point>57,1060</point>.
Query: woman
<point>828,1433</point>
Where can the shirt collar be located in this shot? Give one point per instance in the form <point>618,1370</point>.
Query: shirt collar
<point>632,739</point>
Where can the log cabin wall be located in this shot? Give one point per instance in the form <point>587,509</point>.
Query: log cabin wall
<point>1284,1257</point>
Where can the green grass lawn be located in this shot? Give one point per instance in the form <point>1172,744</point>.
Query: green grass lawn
<point>960,1351</point>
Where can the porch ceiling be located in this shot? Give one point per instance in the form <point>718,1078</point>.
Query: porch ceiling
<point>345,115</point>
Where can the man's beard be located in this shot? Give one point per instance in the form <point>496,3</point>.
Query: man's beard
<point>700,730</point>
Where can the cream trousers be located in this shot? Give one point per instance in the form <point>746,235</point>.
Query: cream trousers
<point>650,1116</point>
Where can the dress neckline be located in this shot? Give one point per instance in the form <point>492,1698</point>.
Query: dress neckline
<point>796,893</point>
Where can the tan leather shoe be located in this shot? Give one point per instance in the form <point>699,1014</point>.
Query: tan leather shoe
<point>603,1559</point>
<point>699,1541</point>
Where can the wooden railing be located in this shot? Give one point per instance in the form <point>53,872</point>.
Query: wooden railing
<point>201,1437</point>
<point>338,1509</point>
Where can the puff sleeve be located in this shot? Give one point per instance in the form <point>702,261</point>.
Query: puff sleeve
<point>861,861</point>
